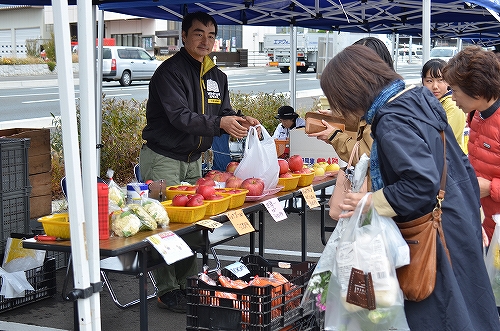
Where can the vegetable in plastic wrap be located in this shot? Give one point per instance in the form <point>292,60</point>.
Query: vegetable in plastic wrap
<point>125,223</point>
<point>156,210</point>
<point>116,195</point>
<point>147,221</point>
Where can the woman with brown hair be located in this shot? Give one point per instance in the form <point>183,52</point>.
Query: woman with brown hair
<point>406,166</point>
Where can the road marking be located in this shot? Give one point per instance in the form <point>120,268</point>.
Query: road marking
<point>266,251</point>
<point>40,101</point>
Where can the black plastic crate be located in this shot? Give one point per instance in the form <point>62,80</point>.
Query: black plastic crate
<point>14,163</point>
<point>253,308</point>
<point>43,280</point>
<point>14,214</point>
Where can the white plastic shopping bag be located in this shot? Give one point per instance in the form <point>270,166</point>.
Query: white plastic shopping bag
<point>492,260</point>
<point>259,158</point>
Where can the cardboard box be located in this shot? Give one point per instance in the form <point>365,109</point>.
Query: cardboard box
<point>310,148</point>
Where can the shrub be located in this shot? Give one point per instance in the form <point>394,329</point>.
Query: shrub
<point>51,65</point>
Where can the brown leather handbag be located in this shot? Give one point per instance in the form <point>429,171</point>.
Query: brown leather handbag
<point>417,279</point>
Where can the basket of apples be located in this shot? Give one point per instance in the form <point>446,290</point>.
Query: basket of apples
<point>237,195</point>
<point>216,202</point>
<point>172,191</point>
<point>185,208</point>
<point>306,174</point>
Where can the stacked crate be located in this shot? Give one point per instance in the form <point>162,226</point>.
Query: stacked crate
<point>15,188</point>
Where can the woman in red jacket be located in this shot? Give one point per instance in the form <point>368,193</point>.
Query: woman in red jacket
<point>474,77</point>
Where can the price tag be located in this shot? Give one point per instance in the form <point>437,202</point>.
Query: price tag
<point>240,221</point>
<point>238,269</point>
<point>275,208</point>
<point>310,196</point>
<point>208,223</point>
<point>170,246</point>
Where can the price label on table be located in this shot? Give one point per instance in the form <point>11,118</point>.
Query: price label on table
<point>170,246</point>
<point>310,196</point>
<point>275,208</point>
<point>208,223</point>
<point>240,221</point>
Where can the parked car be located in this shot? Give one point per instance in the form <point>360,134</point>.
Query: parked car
<point>443,53</point>
<point>126,64</point>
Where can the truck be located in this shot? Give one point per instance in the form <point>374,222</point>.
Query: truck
<point>313,49</point>
<point>277,47</point>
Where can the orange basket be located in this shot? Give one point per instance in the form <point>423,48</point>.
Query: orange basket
<point>281,146</point>
<point>237,199</point>
<point>289,183</point>
<point>215,207</point>
<point>171,191</point>
<point>184,214</point>
<point>56,225</point>
<point>306,179</point>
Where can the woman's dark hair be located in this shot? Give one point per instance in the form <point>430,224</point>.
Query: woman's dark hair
<point>204,18</point>
<point>353,78</point>
<point>476,72</point>
<point>379,47</point>
<point>434,67</point>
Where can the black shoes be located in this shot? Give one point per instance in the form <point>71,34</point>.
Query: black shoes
<point>175,301</point>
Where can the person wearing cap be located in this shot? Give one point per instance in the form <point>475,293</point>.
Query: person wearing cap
<point>289,120</point>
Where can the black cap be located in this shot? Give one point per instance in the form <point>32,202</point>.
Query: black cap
<point>286,112</point>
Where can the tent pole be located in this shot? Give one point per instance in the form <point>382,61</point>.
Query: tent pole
<point>426,30</point>
<point>293,66</point>
<point>98,89</point>
<point>72,160</point>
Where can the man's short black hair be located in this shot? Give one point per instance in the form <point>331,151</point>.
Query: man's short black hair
<point>204,18</point>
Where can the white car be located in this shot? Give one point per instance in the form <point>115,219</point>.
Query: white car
<point>126,64</point>
<point>443,53</point>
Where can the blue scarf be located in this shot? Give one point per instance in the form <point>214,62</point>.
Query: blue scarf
<point>388,92</point>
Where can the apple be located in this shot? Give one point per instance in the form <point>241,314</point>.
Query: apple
<point>222,176</point>
<point>211,173</point>
<point>319,171</point>
<point>195,200</point>
<point>295,162</point>
<point>255,186</point>
<point>333,167</point>
<point>180,200</point>
<point>283,166</point>
<point>206,191</point>
<point>215,196</point>
<point>286,175</point>
<point>205,182</point>
<point>233,182</point>
<point>303,171</point>
<point>231,166</point>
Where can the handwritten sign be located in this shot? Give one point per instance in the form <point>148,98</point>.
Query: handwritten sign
<point>170,246</point>
<point>310,196</point>
<point>238,269</point>
<point>208,223</point>
<point>275,208</point>
<point>240,221</point>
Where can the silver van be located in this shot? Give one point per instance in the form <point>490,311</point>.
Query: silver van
<point>126,64</point>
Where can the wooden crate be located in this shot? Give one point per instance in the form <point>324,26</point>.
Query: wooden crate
<point>39,168</point>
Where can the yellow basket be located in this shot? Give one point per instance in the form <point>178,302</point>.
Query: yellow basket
<point>237,199</point>
<point>306,179</point>
<point>281,146</point>
<point>56,225</point>
<point>289,183</point>
<point>171,192</point>
<point>217,206</point>
<point>184,214</point>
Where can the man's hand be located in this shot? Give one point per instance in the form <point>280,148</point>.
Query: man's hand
<point>325,134</point>
<point>234,125</point>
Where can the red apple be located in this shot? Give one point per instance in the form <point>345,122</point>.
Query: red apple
<point>295,162</point>
<point>283,166</point>
<point>222,176</point>
<point>231,166</point>
<point>286,175</point>
<point>303,171</point>
<point>211,173</point>
<point>195,200</point>
<point>233,182</point>
<point>206,191</point>
<point>180,200</point>
<point>255,186</point>
<point>215,197</point>
<point>205,182</point>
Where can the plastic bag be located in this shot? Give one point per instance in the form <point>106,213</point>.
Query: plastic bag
<point>117,198</point>
<point>18,258</point>
<point>125,223</point>
<point>259,158</point>
<point>492,260</point>
<point>156,210</point>
<point>364,247</point>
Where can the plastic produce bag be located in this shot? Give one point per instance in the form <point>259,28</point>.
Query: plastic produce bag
<point>259,158</point>
<point>156,210</point>
<point>18,258</point>
<point>364,292</point>
<point>492,260</point>
<point>117,198</point>
<point>125,223</point>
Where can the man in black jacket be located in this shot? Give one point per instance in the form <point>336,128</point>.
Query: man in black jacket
<point>188,105</point>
